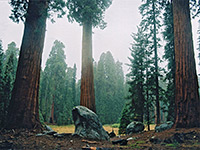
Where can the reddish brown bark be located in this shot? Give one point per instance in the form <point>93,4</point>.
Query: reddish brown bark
<point>186,96</point>
<point>24,108</point>
<point>87,98</point>
<point>52,113</point>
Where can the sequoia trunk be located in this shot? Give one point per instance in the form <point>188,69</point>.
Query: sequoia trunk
<point>87,98</point>
<point>186,96</point>
<point>24,107</point>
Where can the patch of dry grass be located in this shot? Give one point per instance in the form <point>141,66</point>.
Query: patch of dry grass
<point>63,129</point>
<point>71,128</point>
<point>152,127</point>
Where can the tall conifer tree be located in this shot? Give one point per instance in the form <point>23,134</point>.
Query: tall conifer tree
<point>169,55</point>
<point>24,105</point>
<point>187,101</point>
<point>87,13</point>
<point>150,11</point>
<point>1,83</point>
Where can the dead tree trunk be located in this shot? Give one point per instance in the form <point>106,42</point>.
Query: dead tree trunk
<point>24,107</point>
<point>87,98</point>
<point>186,96</point>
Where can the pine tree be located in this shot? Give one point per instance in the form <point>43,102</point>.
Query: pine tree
<point>8,85</point>
<point>127,117</point>
<point>151,11</point>
<point>169,55</point>
<point>1,83</point>
<point>52,95</point>
<point>70,92</point>
<point>12,50</point>
<point>88,14</point>
<point>109,85</point>
<point>137,74</point>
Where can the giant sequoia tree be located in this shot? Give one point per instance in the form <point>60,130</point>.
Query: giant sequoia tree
<point>24,108</point>
<point>187,96</point>
<point>88,13</point>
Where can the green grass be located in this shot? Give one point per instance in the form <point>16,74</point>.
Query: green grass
<point>135,146</point>
<point>172,145</point>
<point>116,125</point>
<point>140,142</point>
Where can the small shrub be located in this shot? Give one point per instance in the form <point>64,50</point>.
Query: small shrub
<point>116,125</point>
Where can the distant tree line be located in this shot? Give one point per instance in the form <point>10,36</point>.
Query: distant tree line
<point>59,91</point>
<point>8,67</point>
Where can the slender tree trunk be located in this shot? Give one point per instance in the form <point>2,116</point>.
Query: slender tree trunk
<point>156,68</point>
<point>187,96</point>
<point>52,113</point>
<point>87,98</point>
<point>24,107</point>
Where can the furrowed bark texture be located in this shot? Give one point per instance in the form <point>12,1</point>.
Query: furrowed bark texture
<point>186,96</point>
<point>24,108</point>
<point>87,98</point>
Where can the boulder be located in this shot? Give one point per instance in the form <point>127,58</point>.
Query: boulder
<point>134,127</point>
<point>164,126</point>
<point>87,124</point>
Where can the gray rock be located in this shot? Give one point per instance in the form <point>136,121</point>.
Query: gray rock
<point>48,128</point>
<point>134,127</point>
<point>39,134</point>
<point>87,124</point>
<point>49,132</point>
<point>164,126</point>
<point>62,135</point>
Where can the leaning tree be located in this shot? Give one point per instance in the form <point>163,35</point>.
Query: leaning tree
<point>88,13</point>
<point>24,108</point>
<point>186,95</point>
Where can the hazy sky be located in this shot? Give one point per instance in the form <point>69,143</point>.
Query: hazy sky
<point>122,19</point>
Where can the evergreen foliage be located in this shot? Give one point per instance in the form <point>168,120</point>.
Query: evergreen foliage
<point>8,66</point>
<point>151,15</point>
<point>57,87</point>
<point>20,7</point>
<point>109,85</point>
<point>8,84</point>
<point>169,55</point>
<point>88,11</point>
<point>137,74</point>
<point>127,117</point>
<point>12,50</point>
<point>1,83</point>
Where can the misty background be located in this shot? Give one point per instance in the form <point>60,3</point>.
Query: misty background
<point>122,18</point>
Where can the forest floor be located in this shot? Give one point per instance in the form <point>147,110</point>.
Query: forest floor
<point>170,139</point>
